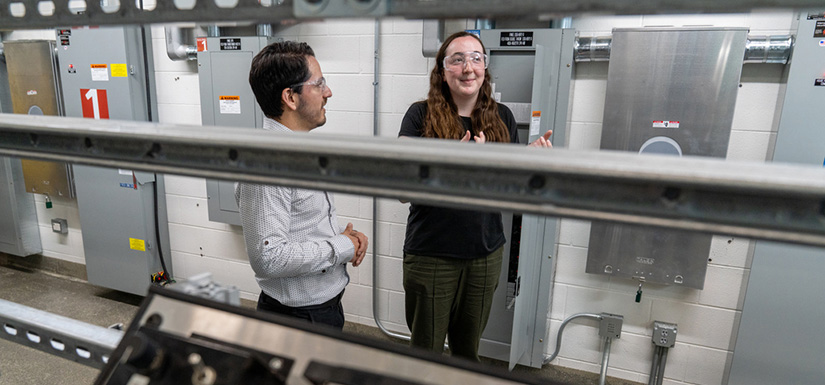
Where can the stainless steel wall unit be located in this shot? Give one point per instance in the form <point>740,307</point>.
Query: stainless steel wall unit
<point>780,338</point>
<point>227,100</point>
<point>106,73</point>
<point>671,92</point>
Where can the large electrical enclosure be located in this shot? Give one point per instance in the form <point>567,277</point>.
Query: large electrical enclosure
<point>106,73</point>
<point>669,92</point>
<point>780,339</point>
<point>34,91</point>
<point>531,73</point>
<point>227,100</point>
<point>26,77</point>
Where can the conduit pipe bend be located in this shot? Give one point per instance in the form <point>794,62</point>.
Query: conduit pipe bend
<point>551,357</point>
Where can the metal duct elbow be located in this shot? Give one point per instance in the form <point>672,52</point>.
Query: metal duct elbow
<point>592,48</point>
<point>769,49</point>
<point>175,47</point>
<point>431,37</point>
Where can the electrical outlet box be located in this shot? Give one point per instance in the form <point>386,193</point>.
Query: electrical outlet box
<point>60,225</point>
<point>664,334</point>
<point>611,325</point>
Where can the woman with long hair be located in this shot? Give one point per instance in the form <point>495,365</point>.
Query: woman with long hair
<point>453,257</point>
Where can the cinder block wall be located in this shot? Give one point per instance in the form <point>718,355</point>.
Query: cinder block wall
<point>708,319</point>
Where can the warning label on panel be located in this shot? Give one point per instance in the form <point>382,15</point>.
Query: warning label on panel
<point>535,123</point>
<point>230,104</point>
<point>232,44</point>
<point>665,124</point>
<point>516,39</point>
<point>100,73</point>
<point>119,70</point>
<point>137,244</point>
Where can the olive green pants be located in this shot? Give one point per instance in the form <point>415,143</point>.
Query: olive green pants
<point>449,297</point>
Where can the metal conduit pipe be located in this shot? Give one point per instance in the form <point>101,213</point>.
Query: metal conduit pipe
<point>376,132</point>
<point>605,358</point>
<point>758,49</point>
<point>176,49</point>
<point>213,31</point>
<point>264,30</point>
<point>551,357</point>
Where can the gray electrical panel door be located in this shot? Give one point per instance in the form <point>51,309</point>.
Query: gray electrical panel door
<point>107,73</point>
<point>19,231</point>
<point>669,91</point>
<point>531,72</point>
<point>780,339</point>
<point>227,100</point>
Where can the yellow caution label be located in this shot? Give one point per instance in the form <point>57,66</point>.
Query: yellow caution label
<point>137,244</point>
<point>119,70</point>
<point>230,97</point>
<point>99,66</point>
<point>536,114</point>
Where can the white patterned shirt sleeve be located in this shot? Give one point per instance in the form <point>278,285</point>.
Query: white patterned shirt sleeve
<point>294,243</point>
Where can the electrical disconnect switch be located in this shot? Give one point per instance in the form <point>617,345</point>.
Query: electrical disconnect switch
<point>664,334</point>
<point>610,325</point>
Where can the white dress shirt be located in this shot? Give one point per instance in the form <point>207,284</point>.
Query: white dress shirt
<point>293,240</point>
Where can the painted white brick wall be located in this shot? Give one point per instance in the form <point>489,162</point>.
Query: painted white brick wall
<point>707,319</point>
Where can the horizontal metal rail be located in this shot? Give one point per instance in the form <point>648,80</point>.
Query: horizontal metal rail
<point>74,340</point>
<point>748,199</point>
<point>26,14</point>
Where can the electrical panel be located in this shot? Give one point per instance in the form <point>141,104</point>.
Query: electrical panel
<point>531,73</point>
<point>227,100</point>
<point>34,90</point>
<point>780,335</point>
<point>669,92</point>
<point>107,73</point>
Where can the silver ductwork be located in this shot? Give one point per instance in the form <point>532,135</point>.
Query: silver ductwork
<point>769,49</point>
<point>592,48</point>
<point>176,49</point>
<point>758,49</point>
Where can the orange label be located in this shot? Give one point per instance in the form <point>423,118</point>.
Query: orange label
<point>230,98</point>
<point>98,65</point>
<point>536,114</point>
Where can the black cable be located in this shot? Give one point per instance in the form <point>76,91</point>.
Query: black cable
<point>150,118</point>
<point>157,229</point>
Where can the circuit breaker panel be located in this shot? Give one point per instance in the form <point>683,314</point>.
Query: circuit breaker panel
<point>227,100</point>
<point>780,336</point>
<point>531,72</point>
<point>107,73</point>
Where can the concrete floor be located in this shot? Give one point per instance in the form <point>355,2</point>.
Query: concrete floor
<point>53,286</point>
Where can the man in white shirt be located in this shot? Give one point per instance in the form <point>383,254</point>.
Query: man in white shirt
<point>295,245</point>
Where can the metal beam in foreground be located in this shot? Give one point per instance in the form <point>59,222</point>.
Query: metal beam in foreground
<point>74,340</point>
<point>28,14</point>
<point>755,200</point>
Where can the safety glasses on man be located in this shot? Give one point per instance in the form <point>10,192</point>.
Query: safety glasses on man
<point>321,83</point>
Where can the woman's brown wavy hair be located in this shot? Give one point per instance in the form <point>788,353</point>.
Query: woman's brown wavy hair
<point>442,120</point>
